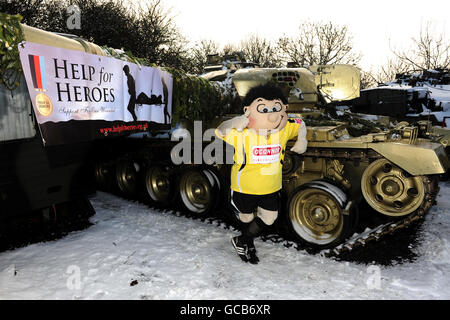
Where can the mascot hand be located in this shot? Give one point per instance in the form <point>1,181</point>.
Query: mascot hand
<point>300,146</point>
<point>240,122</point>
<point>301,143</point>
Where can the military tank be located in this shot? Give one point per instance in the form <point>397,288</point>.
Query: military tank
<point>338,172</point>
<point>420,98</point>
<point>410,96</point>
<point>393,171</point>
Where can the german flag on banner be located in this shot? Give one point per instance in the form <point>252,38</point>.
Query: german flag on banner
<point>37,68</point>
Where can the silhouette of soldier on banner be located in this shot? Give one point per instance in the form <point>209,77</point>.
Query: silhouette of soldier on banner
<point>131,90</point>
<point>143,98</point>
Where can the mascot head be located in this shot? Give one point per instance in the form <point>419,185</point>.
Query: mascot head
<point>265,106</point>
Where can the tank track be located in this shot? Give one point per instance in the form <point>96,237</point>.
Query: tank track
<point>375,234</point>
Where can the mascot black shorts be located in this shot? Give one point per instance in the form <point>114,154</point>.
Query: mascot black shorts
<point>247,203</point>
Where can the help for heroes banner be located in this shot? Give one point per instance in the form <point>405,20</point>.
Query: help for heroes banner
<point>79,96</point>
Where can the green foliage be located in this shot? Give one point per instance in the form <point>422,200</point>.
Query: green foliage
<point>10,36</point>
<point>195,98</point>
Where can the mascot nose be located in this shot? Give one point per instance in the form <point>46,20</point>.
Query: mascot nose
<point>273,117</point>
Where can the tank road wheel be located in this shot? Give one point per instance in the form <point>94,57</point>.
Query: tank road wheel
<point>127,176</point>
<point>391,190</point>
<point>316,214</point>
<point>104,176</point>
<point>198,190</point>
<point>290,164</point>
<point>158,183</point>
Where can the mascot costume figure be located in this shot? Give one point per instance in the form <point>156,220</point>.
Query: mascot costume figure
<point>259,138</point>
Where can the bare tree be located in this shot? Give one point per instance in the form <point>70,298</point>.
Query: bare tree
<point>159,40</point>
<point>199,54</point>
<point>261,51</point>
<point>428,51</point>
<point>230,48</point>
<point>390,70</point>
<point>320,43</point>
<point>367,80</point>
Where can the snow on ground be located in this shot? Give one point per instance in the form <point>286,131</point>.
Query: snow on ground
<point>132,252</point>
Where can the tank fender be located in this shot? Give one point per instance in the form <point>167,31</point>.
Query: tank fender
<point>423,158</point>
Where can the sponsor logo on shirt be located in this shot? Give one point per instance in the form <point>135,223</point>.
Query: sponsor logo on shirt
<point>266,154</point>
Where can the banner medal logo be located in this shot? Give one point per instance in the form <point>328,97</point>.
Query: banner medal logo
<point>44,104</point>
<point>38,75</point>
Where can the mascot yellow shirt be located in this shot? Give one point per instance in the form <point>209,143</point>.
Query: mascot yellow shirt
<point>258,158</point>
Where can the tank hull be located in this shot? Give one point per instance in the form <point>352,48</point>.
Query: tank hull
<point>34,177</point>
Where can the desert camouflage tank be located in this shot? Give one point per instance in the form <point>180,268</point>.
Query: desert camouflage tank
<point>350,187</point>
<point>390,170</point>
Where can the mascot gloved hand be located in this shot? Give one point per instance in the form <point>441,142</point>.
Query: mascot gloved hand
<point>239,123</point>
<point>259,138</point>
<point>301,143</point>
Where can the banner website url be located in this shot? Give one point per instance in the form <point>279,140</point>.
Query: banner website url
<point>140,127</point>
